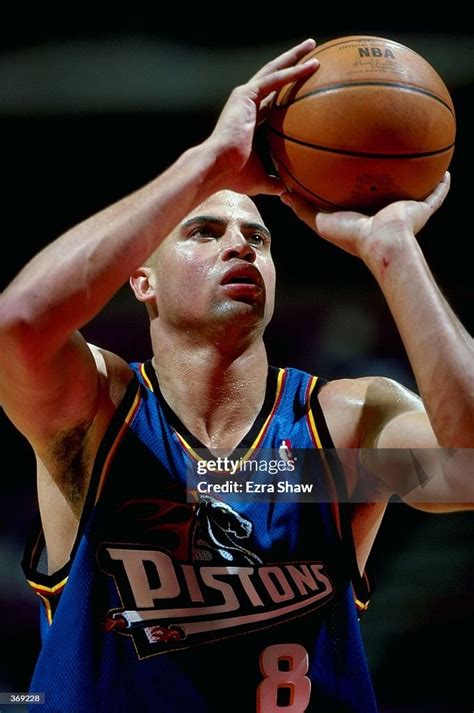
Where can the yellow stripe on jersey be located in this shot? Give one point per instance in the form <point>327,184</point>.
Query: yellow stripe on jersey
<point>186,446</point>
<point>279,390</point>
<point>326,467</point>
<point>41,588</point>
<point>42,591</point>
<point>47,606</point>
<point>145,377</point>
<point>312,423</point>
<point>123,429</point>
<point>361,606</point>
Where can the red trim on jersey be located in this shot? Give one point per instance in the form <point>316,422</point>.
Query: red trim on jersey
<point>46,593</point>
<point>124,428</point>
<point>312,428</point>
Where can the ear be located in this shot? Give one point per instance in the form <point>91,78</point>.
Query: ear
<point>142,282</point>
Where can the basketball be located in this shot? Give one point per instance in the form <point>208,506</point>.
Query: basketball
<point>374,124</point>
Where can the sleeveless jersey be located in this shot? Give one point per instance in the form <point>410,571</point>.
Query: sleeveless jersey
<point>198,604</point>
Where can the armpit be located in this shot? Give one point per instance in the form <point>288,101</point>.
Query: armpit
<point>70,462</point>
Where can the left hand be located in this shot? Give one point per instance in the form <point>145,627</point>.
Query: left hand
<point>237,165</point>
<point>357,233</point>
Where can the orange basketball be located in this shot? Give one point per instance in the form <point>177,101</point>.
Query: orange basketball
<point>373,125</point>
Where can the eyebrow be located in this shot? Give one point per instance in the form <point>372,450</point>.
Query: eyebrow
<point>214,220</point>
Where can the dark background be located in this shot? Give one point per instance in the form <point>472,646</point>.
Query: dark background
<point>91,110</point>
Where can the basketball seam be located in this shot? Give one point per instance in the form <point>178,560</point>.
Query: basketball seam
<point>277,161</point>
<point>360,154</point>
<point>350,85</point>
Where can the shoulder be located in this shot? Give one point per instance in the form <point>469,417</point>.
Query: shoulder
<point>82,433</point>
<point>357,409</point>
<point>114,374</point>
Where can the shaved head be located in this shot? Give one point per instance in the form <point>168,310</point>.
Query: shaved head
<point>213,269</point>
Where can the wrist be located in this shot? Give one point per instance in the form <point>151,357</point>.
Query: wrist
<point>216,163</point>
<point>204,163</point>
<point>386,251</point>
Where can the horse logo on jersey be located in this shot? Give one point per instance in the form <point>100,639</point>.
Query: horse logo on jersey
<point>220,589</point>
<point>218,533</point>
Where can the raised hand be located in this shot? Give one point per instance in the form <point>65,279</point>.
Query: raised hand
<point>360,234</point>
<point>237,164</point>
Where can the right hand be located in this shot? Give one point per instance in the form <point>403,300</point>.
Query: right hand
<point>370,237</point>
<point>238,167</point>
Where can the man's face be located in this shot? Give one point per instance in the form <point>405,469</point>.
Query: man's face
<point>215,269</point>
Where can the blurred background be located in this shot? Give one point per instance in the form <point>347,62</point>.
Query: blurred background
<point>91,110</point>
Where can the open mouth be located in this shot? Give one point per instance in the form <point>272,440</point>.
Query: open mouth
<point>243,275</point>
<point>240,281</point>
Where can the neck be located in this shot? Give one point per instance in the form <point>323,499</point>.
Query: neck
<point>215,390</point>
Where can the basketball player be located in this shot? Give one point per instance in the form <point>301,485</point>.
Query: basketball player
<point>153,601</point>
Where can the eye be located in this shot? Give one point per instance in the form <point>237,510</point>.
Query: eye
<point>257,240</point>
<point>204,232</point>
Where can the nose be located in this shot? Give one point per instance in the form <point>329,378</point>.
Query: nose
<point>237,246</point>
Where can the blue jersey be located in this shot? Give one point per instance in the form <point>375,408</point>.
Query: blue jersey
<point>200,604</point>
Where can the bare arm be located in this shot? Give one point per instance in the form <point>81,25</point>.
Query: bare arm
<point>377,414</point>
<point>440,350</point>
<point>45,365</point>
<point>388,446</point>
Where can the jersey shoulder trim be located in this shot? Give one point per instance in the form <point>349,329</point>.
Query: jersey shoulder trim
<point>363,584</point>
<point>34,564</point>
<point>316,420</point>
